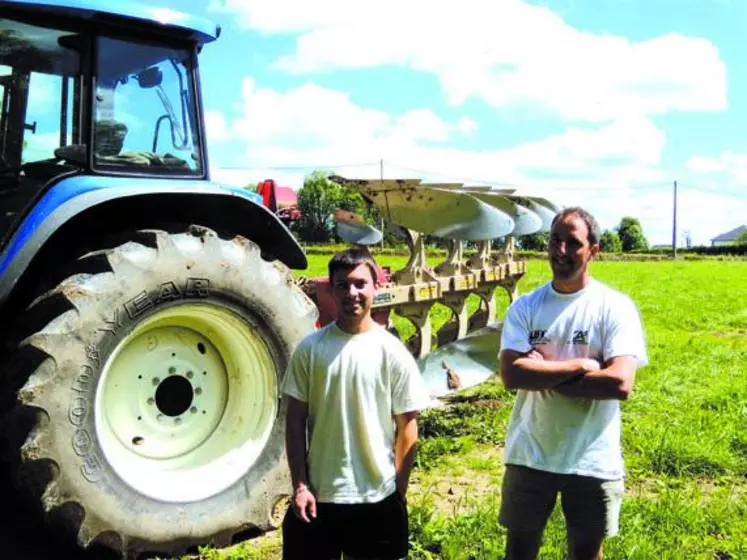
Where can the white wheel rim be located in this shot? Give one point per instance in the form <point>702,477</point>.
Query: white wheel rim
<point>186,402</point>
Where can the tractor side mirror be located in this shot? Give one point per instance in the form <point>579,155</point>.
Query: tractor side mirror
<point>150,77</point>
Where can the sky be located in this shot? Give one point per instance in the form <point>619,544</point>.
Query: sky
<point>598,103</point>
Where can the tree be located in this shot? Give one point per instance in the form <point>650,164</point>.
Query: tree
<point>534,242</point>
<point>631,234</point>
<point>609,242</point>
<point>317,199</point>
<point>352,201</point>
<point>741,238</point>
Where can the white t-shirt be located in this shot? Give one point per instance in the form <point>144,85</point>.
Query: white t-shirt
<point>353,385</point>
<point>553,432</point>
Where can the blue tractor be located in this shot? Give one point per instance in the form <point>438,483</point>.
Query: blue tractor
<point>147,313</point>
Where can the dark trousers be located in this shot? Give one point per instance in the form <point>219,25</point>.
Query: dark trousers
<point>376,530</point>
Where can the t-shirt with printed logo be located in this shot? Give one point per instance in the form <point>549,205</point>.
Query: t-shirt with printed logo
<point>553,432</point>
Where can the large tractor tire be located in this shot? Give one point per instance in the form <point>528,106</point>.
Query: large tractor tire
<point>150,416</point>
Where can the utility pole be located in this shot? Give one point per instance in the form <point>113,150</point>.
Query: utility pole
<point>381,178</point>
<point>674,223</point>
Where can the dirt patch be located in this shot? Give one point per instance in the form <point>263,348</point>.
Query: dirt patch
<point>652,488</point>
<point>489,403</point>
<point>728,334</point>
<point>462,482</point>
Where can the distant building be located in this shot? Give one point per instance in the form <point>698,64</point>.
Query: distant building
<point>728,237</point>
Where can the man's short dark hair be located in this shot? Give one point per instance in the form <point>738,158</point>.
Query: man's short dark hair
<point>591,223</point>
<point>349,259</point>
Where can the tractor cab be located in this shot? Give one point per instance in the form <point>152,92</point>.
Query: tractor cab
<point>81,95</point>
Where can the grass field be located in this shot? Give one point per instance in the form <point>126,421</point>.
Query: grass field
<point>684,431</point>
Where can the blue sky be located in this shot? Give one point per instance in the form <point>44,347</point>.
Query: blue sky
<point>600,103</point>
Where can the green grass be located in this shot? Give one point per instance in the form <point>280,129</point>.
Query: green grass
<point>684,428</point>
<point>672,523</point>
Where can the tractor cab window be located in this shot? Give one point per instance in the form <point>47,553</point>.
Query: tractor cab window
<point>40,92</point>
<point>144,110</point>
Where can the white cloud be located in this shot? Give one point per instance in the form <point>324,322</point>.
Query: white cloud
<point>514,54</point>
<point>311,115</point>
<point>733,165</point>
<point>467,126</point>
<point>312,124</point>
<point>635,141</point>
<point>705,164</point>
<point>421,124</point>
<point>308,112</point>
<point>216,126</point>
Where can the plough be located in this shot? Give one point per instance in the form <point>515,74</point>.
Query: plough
<point>463,351</point>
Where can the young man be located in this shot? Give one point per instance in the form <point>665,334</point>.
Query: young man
<point>356,390</point>
<point>571,348</point>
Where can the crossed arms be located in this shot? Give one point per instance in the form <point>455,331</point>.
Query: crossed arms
<point>578,377</point>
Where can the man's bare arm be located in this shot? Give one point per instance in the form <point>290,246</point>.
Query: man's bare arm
<point>304,501</point>
<point>295,440</point>
<point>404,448</point>
<point>613,381</point>
<point>530,371</point>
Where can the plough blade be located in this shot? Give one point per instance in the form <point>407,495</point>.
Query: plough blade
<point>554,208</point>
<point>433,211</point>
<point>352,228</point>
<point>445,214</point>
<point>526,220</point>
<point>463,363</point>
<point>545,214</point>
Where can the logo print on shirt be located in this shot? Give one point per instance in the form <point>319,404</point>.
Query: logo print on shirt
<point>581,337</point>
<point>538,337</point>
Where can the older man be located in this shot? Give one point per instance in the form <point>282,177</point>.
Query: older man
<point>571,348</point>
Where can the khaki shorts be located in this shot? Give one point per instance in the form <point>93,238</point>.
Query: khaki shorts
<point>591,506</point>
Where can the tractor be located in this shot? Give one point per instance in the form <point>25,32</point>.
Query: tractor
<point>147,313</point>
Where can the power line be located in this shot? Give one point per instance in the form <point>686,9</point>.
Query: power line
<point>463,179</point>
<point>711,190</point>
<point>496,183</point>
<point>648,186</point>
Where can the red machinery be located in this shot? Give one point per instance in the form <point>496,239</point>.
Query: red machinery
<point>281,200</point>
